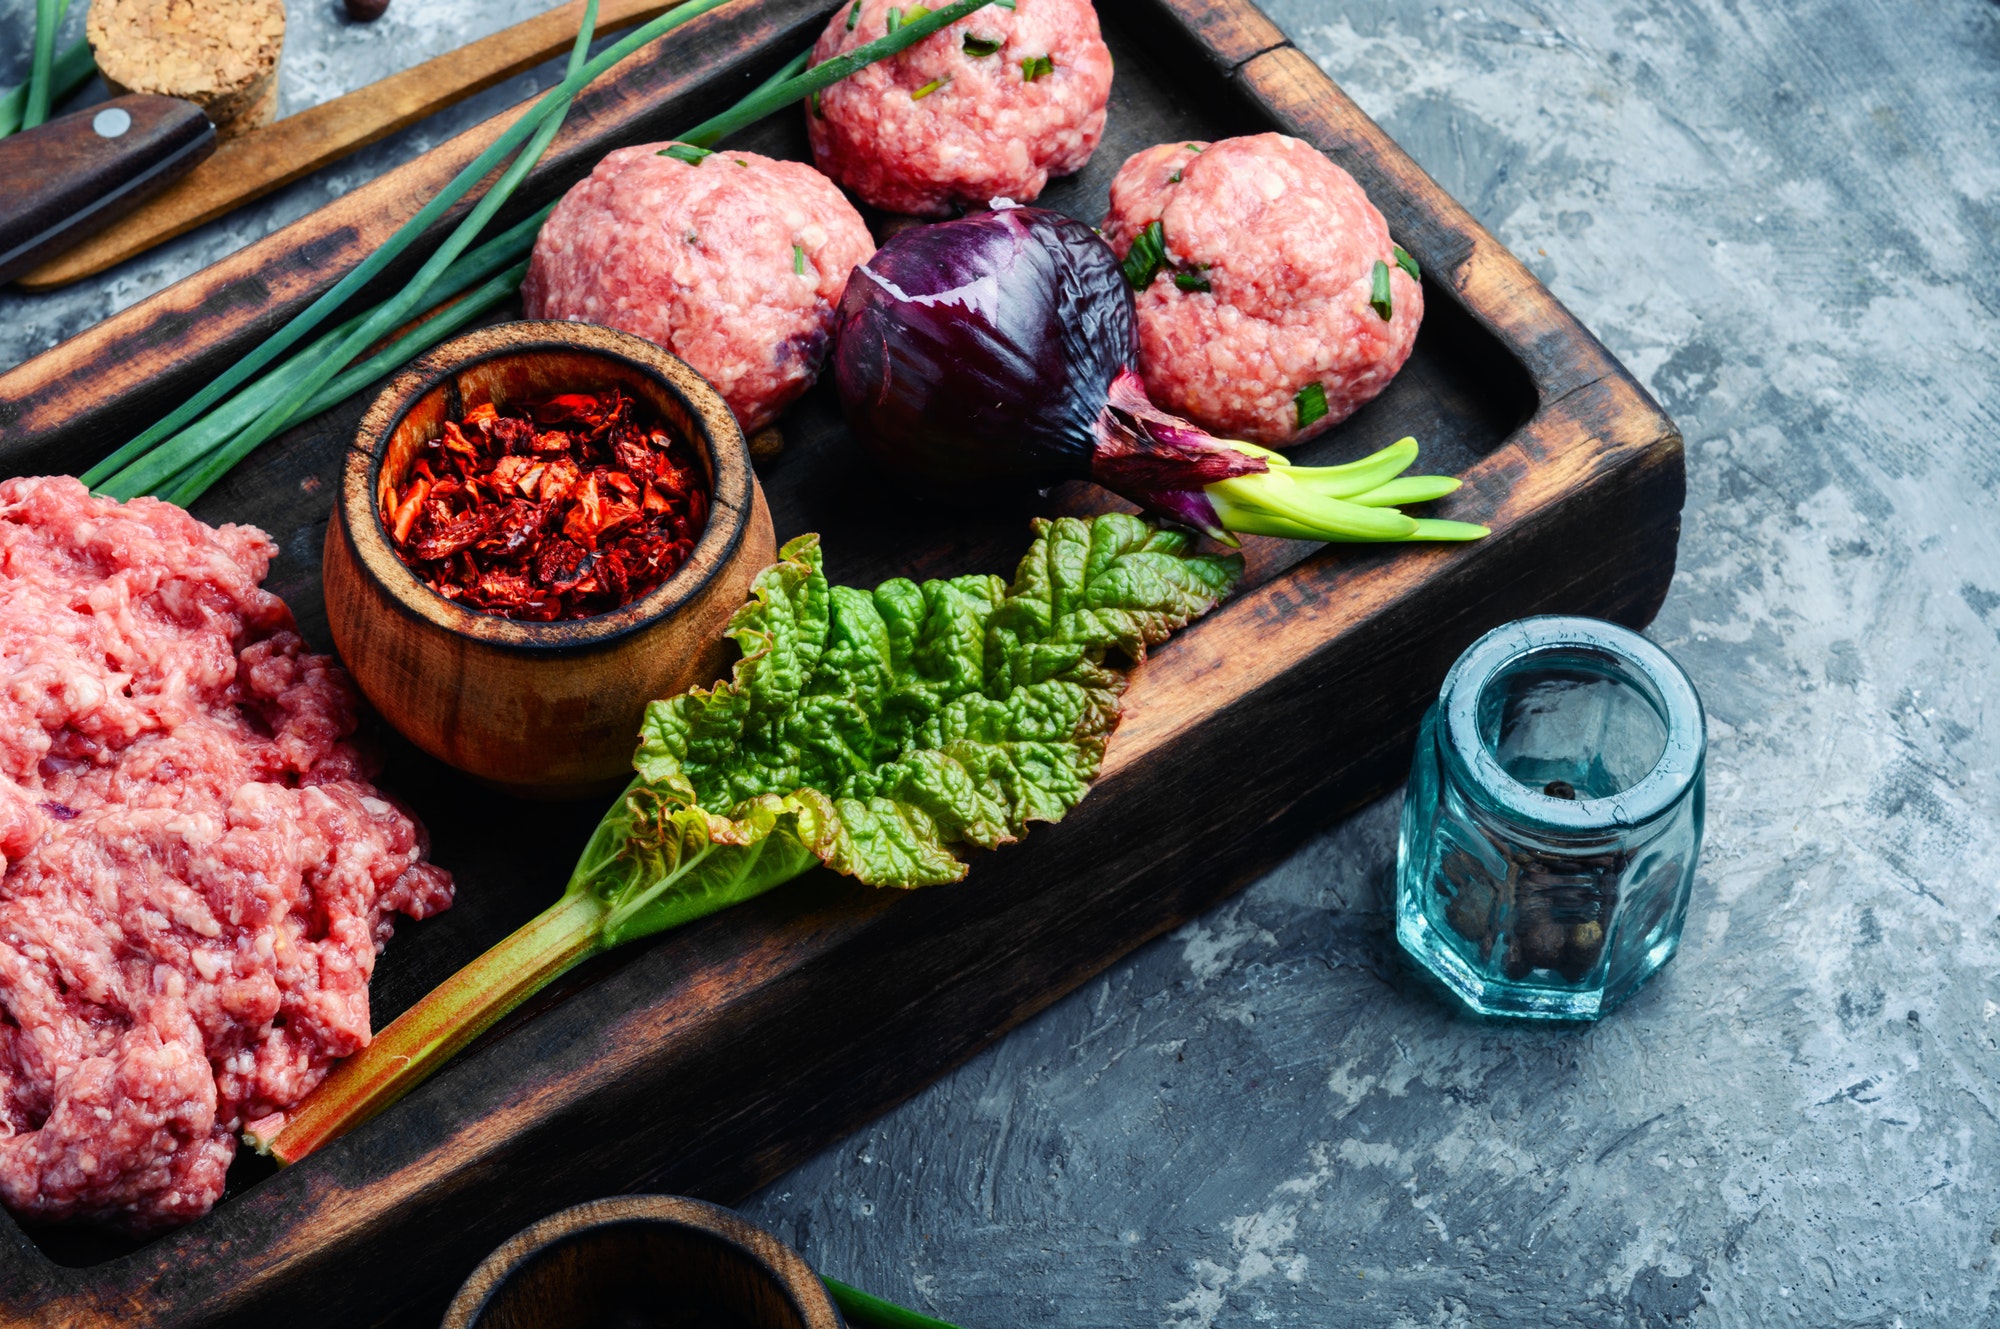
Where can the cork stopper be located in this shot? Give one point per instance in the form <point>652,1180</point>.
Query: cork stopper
<point>222,55</point>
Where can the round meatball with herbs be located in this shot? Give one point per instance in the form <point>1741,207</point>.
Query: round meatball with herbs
<point>732,261</point>
<point>1272,303</point>
<point>990,107</point>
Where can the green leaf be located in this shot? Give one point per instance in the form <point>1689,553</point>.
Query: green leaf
<point>1311,403</point>
<point>1146,257</point>
<point>1037,66</point>
<point>1379,297</point>
<point>686,152</point>
<point>980,47</point>
<point>878,733</point>
<point>1407,263</point>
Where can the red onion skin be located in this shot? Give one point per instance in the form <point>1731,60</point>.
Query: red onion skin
<point>980,350</point>
<point>995,351</point>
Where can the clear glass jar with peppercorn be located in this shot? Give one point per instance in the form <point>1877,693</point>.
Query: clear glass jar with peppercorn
<point>1553,819</point>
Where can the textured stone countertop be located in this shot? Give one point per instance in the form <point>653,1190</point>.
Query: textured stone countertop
<point>1784,215</point>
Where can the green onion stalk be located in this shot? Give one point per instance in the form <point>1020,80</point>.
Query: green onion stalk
<point>183,455</point>
<point>868,1311</point>
<point>70,70</point>
<point>48,17</point>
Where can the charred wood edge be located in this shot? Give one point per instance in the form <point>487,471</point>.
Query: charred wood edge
<point>744,1024</point>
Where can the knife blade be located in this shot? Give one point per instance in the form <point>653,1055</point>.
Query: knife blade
<point>75,175</point>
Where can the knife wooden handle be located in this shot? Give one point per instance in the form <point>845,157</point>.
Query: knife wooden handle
<point>79,173</point>
<point>276,154</point>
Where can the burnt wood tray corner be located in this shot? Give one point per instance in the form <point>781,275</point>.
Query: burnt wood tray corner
<point>713,1059</point>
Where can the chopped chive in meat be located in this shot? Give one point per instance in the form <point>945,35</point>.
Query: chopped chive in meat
<point>1194,147</point>
<point>929,88</point>
<point>687,152</point>
<point>893,19</point>
<point>1378,292</point>
<point>1407,263</point>
<point>1191,281</point>
<point>818,114</point>
<point>980,47</point>
<point>1311,402</point>
<point>1037,65</point>
<point>740,162</point>
<point>1174,179</point>
<point>799,260</point>
<point>1004,4</point>
<point>854,15</point>
<point>1146,257</point>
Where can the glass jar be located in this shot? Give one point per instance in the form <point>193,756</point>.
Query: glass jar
<point>1553,819</point>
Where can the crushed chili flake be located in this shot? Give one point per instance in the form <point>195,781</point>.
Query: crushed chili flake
<point>555,509</point>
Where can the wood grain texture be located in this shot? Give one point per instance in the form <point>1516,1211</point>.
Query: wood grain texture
<point>544,710</point>
<point>711,1060</point>
<point>260,160</point>
<point>643,1259</point>
<point>66,180</point>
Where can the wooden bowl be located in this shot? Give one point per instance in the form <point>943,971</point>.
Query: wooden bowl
<point>642,1261</point>
<point>546,710</point>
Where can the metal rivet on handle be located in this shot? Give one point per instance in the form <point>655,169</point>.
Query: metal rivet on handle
<point>111,121</point>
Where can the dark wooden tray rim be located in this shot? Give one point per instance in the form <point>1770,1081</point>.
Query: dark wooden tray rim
<point>714,1060</point>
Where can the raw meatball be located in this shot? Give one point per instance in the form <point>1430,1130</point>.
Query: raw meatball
<point>1287,243</point>
<point>734,264</point>
<point>991,106</point>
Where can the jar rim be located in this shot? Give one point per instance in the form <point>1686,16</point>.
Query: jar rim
<point>1636,662</point>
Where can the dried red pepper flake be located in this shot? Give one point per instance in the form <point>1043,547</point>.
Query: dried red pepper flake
<point>554,509</point>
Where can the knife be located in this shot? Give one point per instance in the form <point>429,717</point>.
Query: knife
<point>68,179</point>
<point>266,158</point>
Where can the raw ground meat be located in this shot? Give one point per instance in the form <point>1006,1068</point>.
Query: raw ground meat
<point>734,265</point>
<point>197,873</point>
<point>988,131</point>
<point>1288,242</point>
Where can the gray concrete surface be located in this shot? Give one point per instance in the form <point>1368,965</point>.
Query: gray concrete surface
<point>1785,216</point>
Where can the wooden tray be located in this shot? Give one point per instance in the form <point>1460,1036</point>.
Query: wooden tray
<point>711,1060</point>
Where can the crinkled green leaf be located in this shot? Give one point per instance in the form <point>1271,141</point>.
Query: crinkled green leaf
<point>877,733</point>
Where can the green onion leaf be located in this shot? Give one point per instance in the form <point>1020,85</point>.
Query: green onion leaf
<point>865,1311</point>
<point>798,260</point>
<point>687,152</point>
<point>72,70</point>
<point>48,17</point>
<point>818,114</point>
<point>1174,179</point>
<point>1146,257</point>
<point>1004,4</point>
<point>554,102</point>
<point>1191,281</point>
<point>854,15</point>
<point>1194,147</point>
<point>980,47</point>
<point>929,88</point>
<point>1037,65</point>
<point>1406,263</point>
<point>1311,402</point>
<point>1378,293</point>
<point>892,20</point>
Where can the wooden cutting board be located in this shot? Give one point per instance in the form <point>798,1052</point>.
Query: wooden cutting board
<point>713,1059</point>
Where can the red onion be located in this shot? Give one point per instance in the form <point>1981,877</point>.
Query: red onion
<point>997,349</point>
